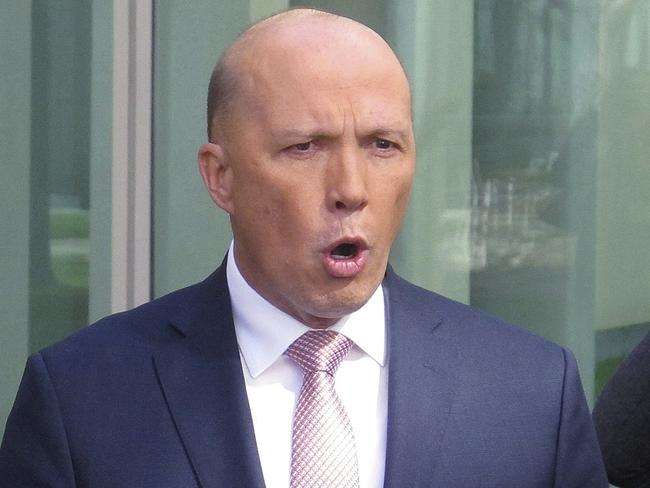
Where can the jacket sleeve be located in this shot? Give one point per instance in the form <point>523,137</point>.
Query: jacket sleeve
<point>579,461</point>
<point>34,450</point>
<point>622,416</point>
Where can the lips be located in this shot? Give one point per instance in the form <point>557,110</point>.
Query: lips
<point>345,258</point>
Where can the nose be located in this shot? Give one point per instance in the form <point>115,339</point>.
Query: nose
<point>347,176</point>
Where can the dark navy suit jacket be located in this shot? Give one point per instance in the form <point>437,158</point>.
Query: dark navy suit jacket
<point>622,416</point>
<point>155,397</point>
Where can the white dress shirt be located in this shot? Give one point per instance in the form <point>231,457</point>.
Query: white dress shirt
<point>273,381</point>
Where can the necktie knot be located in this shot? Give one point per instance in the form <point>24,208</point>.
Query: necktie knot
<point>319,350</point>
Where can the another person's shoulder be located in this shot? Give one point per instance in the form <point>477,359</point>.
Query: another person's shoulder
<point>622,417</point>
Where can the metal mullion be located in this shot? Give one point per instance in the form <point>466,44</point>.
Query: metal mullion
<point>131,170</point>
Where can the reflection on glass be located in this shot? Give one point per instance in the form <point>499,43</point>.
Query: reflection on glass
<point>508,229</point>
<point>560,163</point>
<point>57,78</point>
<point>60,148</point>
<point>623,224</point>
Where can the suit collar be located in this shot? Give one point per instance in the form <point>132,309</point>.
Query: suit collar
<point>423,366</point>
<point>261,345</point>
<point>202,381</point>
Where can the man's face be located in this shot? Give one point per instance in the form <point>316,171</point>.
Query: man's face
<point>321,153</point>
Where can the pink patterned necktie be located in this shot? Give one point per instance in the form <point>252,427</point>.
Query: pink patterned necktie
<point>323,452</point>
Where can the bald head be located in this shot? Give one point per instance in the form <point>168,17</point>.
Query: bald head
<point>301,38</point>
<point>312,155</point>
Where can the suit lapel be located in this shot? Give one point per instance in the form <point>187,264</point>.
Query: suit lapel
<point>202,381</point>
<point>422,379</point>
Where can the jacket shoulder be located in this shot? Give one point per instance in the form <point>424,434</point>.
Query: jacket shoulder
<point>466,320</point>
<point>131,332</point>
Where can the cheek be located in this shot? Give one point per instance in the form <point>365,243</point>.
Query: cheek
<point>255,196</point>
<point>403,187</point>
<point>394,190</point>
<point>283,215</point>
<point>256,214</point>
<point>394,198</point>
<point>402,198</point>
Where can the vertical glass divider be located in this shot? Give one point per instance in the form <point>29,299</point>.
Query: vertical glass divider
<point>131,177</point>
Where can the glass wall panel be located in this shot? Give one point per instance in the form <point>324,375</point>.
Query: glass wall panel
<point>190,234</point>
<point>560,210</point>
<point>59,184</point>
<point>15,121</point>
<point>534,148</point>
<point>622,269</point>
<point>55,135</point>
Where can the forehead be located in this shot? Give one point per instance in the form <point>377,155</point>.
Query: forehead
<point>323,71</point>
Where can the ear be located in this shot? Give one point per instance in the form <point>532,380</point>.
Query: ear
<point>217,175</point>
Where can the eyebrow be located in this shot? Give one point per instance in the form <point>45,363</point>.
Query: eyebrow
<point>301,134</point>
<point>401,133</point>
<point>382,131</point>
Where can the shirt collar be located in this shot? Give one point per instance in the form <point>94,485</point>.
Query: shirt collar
<point>264,332</point>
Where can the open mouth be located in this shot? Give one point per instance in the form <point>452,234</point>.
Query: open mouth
<point>345,250</point>
<point>346,258</point>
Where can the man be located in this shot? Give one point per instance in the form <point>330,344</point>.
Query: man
<point>622,416</point>
<point>312,154</point>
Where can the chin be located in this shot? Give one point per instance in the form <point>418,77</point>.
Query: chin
<point>335,307</point>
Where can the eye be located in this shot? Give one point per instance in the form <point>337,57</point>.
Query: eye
<point>303,146</point>
<point>384,144</point>
<point>302,150</point>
